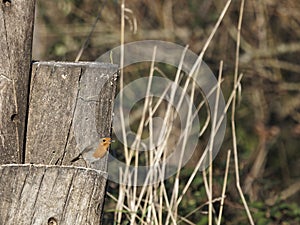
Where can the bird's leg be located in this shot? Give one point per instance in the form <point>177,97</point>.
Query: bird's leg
<point>85,162</point>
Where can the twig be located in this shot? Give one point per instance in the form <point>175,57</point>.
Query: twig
<point>90,33</point>
<point>286,193</point>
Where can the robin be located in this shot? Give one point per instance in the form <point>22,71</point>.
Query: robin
<point>91,153</point>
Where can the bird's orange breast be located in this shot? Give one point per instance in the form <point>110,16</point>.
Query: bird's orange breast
<point>102,148</point>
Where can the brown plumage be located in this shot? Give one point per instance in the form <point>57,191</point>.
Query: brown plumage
<point>91,153</point>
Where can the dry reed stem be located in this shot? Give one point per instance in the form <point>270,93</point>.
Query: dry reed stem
<point>140,130</point>
<point>196,67</point>
<point>224,187</point>
<point>186,132</point>
<point>146,193</point>
<point>230,99</point>
<point>136,144</point>
<point>207,190</point>
<point>122,187</point>
<point>236,163</point>
<point>124,206</point>
<point>211,141</point>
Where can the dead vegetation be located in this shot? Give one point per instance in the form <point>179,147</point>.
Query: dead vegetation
<point>266,116</point>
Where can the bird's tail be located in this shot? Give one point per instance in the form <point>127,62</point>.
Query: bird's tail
<point>76,158</point>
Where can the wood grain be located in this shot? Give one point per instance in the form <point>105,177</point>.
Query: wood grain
<point>32,194</point>
<point>61,106</point>
<point>16,32</point>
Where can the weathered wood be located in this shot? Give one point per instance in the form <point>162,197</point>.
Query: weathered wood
<point>43,194</point>
<point>70,107</point>
<point>16,31</point>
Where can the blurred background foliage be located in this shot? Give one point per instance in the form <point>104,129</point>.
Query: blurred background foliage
<point>268,116</point>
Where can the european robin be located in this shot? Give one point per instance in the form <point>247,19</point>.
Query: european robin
<point>93,153</point>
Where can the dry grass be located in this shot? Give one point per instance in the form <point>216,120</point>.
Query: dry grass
<point>259,44</point>
<point>151,203</point>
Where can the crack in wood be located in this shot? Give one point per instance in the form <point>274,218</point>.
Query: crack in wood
<point>89,100</point>
<point>73,114</point>
<point>2,139</point>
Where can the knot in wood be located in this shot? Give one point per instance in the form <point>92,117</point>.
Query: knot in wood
<point>52,221</point>
<point>6,2</point>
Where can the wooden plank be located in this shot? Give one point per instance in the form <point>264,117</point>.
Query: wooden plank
<point>61,195</point>
<point>70,107</point>
<point>16,31</point>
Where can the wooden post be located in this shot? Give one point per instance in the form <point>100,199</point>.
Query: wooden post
<point>63,98</point>
<point>16,29</point>
<point>51,195</point>
<point>70,107</point>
